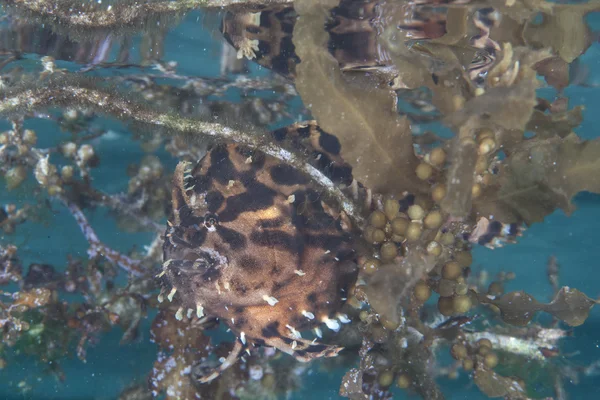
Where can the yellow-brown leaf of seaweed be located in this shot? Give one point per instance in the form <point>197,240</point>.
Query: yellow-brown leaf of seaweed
<point>518,308</point>
<point>496,385</point>
<point>375,140</point>
<point>542,175</point>
<point>564,30</point>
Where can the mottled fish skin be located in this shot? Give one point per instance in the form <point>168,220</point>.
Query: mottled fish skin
<point>253,243</point>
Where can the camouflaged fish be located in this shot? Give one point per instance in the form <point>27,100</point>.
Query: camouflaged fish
<point>254,243</point>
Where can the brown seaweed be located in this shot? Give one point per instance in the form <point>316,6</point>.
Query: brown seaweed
<point>496,385</point>
<point>542,175</point>
<point>519,308</point>
<point>363,118</point>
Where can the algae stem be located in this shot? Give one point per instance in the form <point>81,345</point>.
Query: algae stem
<point>107,102</point>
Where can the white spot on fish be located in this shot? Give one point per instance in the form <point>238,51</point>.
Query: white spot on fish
<point>179,314</point>
<point>332,324</point>
<point>308,314</point>
<point>270,299</point>
<point>171,294</point>
<point>294,331</point>
<point>343,318</point>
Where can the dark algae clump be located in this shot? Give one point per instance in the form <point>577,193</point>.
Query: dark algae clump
<point>281,235</point>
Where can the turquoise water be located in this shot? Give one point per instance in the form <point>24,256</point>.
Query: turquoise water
<point>111,367</point>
